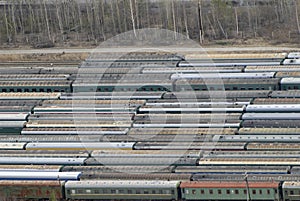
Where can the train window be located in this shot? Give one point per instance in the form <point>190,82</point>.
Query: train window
<point>105,191</point>
<point>193,192</point>
<point>227,191</point>
<point>4,90</point>
<point>129,191</point>
<point>11,90</point>
<point>88,191</point>
<point>96,192</point>
<point>236,191</point>
<point>121,191</point>
<point>243,88</point>
<point>146,192</point>
<point>186,191</point>
<point>19,90</point>
<point>275,190</point>
<point>73,191</point>
<point>68,191</point>
<point>172,192</point>
<point>296,87</point>
<point>160,192</point>
<point>202,192</point>
<point>41,90</point>
<point>245,192</point>
<point>33,90</point>
<point>286,192</point>
<point>291,192</point>
<point>268,192</point>
<point>154,192</point>
<point>250,88</point>
<point>253,192</point>
<point>49,90</point>
<point>113,191</point>
<point>260,191</point>
<point>80,191</point>
<point>234,88</point>
<point>219,191</point>
<point>211,191</point>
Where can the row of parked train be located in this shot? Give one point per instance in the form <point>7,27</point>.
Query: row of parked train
<point>150,190</point>
<point>163,74</point>
<point>151,144</point>
<point>153,82</point>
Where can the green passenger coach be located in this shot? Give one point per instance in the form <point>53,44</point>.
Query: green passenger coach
<point>207,190</point>
<point>124,190</point>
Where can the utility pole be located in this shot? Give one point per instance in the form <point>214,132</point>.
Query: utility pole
<point>247,186</point>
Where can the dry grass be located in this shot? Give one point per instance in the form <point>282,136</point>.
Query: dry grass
<point>44,57</point>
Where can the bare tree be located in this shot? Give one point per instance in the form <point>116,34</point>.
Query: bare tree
<point>60,24</point>
<point>185,21</point>
<point>132,18</point>
<point>236,21</point>
<point>8,35</point>
<point>200,24</point>
<point>174,20</point>
<point>47,20</point>
<point>297,16</point>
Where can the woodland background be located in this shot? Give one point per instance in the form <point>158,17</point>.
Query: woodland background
<point>49,23</point>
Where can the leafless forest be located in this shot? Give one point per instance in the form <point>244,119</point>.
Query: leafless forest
<point>46,23</point>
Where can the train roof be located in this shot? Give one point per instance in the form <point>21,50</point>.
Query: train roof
<point>228,184</point>
<point>112,95</point>
<point>291,185</point>
<point>122,184</point>
<point>285,94</point>
<point>29,96</point>
<point>279,131</point>
<point>290,80</point>
<point>273,68</point>
<point>34,83</point>
<point>35,183</point>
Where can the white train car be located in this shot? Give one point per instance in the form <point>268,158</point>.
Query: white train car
<point>257,75</point>
<point>271,116</point>
<point>273,108</point>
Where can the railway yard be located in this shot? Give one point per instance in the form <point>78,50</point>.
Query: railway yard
<point>151,126</point>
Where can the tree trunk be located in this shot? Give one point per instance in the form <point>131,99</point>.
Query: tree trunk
<point>185,21</point>
<point>236,21</point>
<point>118,17</point>
<point>137,14</point>
<point>132,18</point>
<point>60,24</point>
<point>297,16</point>
<point>200,24</point>
<point>101,21</point>
<point>13,18</point>
<point>79,16</point>
<point>89,19</point>
<point>174,20</point>
<point>47,21</point>
<point>112,10</point>
<point>8,36</point>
